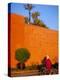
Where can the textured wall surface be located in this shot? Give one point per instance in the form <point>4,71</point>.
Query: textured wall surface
<point>39,41</point>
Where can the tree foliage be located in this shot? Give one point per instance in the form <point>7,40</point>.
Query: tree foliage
<point>42,24</point>
<point>29,8</point>
<point>35,15</point>
<point>36,20</point>
<point>22,55</point>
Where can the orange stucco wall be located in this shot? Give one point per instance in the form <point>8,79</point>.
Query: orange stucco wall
<point>39,41</point>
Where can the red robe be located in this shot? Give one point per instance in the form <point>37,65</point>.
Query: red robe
<point>48,64</point>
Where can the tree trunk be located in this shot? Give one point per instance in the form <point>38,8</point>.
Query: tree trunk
<point>29,16</point>
<point>21,66</point>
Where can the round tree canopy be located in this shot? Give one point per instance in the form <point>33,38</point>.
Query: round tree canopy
<point>22,55</point>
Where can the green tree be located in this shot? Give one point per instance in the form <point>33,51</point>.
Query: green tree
<point>36,20</point>
<point>22,55</point>
<point>29,8</point>
<point>35,17</point>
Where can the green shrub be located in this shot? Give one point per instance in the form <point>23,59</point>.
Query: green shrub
<point>37,21</point>
<point>42,24</point>
<point>35,15</point>
<point>55,65</point>
<point>22,55</point>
